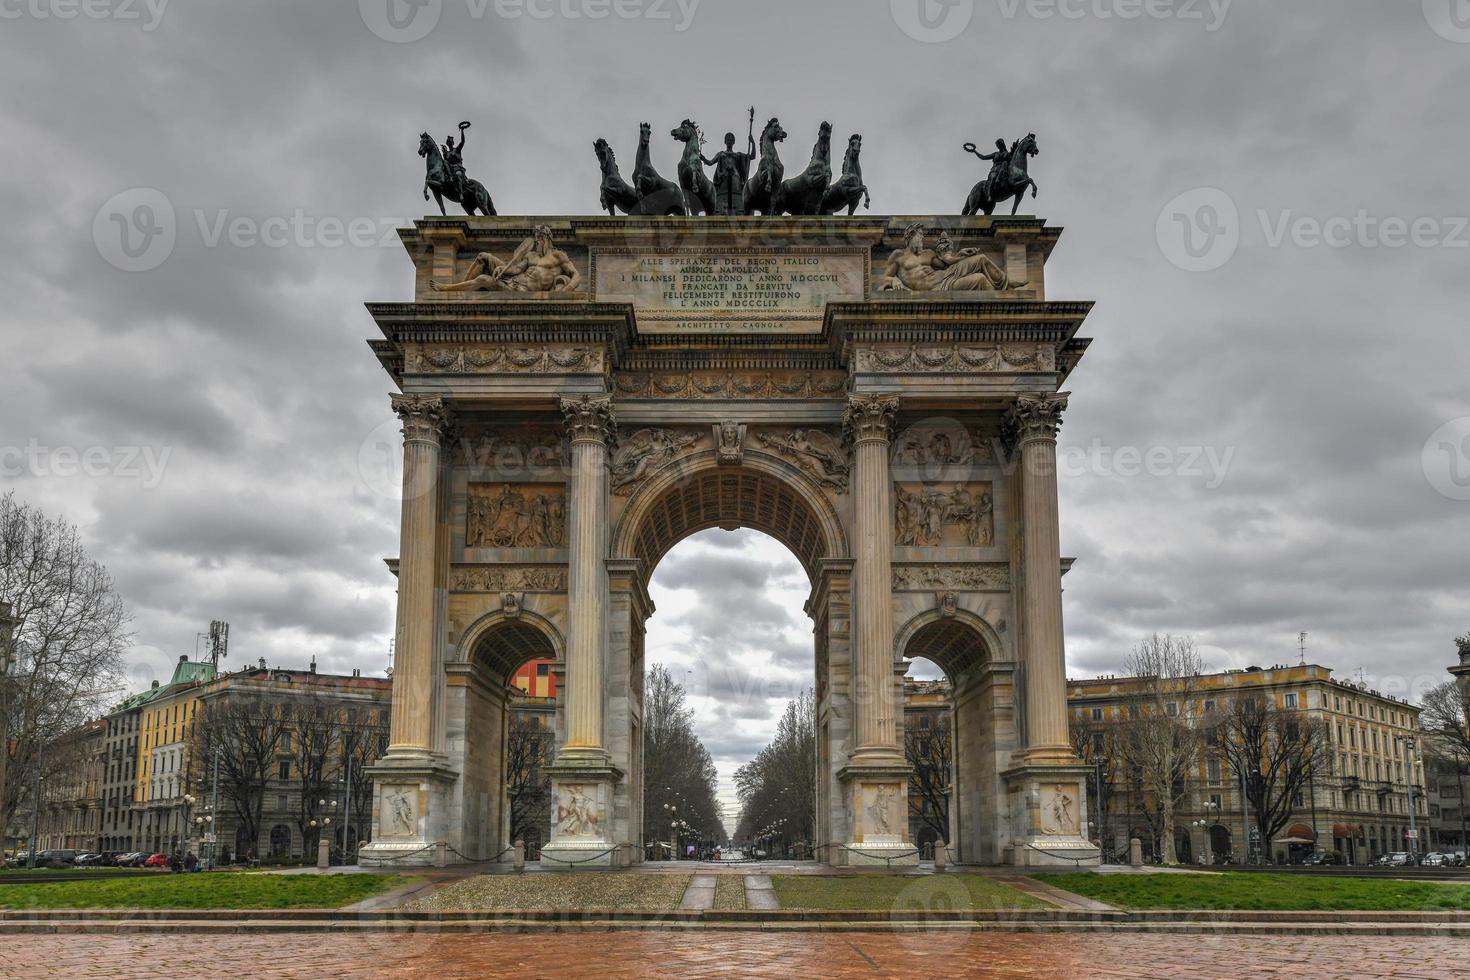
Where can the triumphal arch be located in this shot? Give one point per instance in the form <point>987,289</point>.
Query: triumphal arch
<point>882,395</point>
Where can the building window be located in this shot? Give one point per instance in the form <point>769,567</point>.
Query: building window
<point>1099,745</point>
<point>1291,700</point>
<point>1171,709</point>
<point>1097,714</point>
<point>285,769</point>
<point>1212,769</point>
<point>1209,706</point>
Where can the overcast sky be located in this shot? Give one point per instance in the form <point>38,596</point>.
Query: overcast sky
<point>1289,362</point>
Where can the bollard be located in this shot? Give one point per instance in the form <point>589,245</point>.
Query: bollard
<point>441,854</point>
<point>1135,852</point>
<point>941,855</point>
<point>323,854</point>
<point>518,855</point>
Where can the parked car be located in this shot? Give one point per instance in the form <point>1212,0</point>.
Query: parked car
<point>1397,859</point>
<point>1322,858</point>
<point>156,861</point>
<point>21,859</point>
<point>1434,859</point>
<point>88,859</point>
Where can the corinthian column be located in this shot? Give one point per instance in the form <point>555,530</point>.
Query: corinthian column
<point>1033,423</point>
<point>411,718</point>
<point>593,430</point>
<point>869,426</point>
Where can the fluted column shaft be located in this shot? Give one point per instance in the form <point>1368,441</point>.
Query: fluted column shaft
<point>1034,422</point>
<point>869,425</point>
<point>411,718</point>
<point>591,428</point>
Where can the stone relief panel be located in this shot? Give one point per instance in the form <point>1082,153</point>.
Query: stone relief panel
<point>727,385</point>
<point>1059,811</point>
<point>502,359</point>
<point>400,815</point>
<point>538,450</point>
<point>502,579</point>
<point>817,453</point>
<point>643,452</point>
<point>976,577</point>
<point>516,515</point>
<point>929,516</point>
<point>883,816</point>
<point>578,810</point>
<point>956,359</point>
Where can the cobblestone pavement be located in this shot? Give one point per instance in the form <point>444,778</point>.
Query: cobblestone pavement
<point>616,955</point>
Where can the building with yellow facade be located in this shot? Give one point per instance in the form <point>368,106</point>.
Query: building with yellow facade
<point>1357,805</point>
<point>163,765</point>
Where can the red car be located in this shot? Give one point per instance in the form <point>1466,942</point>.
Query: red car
<point>156,861</point>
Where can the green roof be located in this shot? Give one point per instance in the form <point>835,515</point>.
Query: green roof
<point>185,672</point>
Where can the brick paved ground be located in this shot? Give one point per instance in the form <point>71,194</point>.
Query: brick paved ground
<point>608,955</point>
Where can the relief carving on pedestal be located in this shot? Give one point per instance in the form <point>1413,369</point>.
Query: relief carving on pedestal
<point>882,803</point>
<point>400,815</point>
<point>577,811</point>
<point>509,578</point>
<point>516,515</point>
<point>644,452</point>
<point>967,577</point>
<point>1058,813</point>
<point>927,517</point>
<point>816,452</point>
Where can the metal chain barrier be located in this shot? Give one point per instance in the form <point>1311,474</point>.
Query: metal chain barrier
<point>887,859</point>
<point>1064,857</point>
<point>380,861</point>
<point>489,860</point>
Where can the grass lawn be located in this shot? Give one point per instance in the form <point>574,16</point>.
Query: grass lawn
<point>216,890</point>
<point>1266,892</point>
<point>729,892</point>
<point>887,892</point>
<point>559,891</point>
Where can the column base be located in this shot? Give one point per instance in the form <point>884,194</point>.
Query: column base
<point>876,788</point>
<point>581,815</point>
<point>1047,806</point>
<point>411,804</point>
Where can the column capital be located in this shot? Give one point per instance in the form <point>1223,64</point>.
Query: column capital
<point>1035,416</point>
<point>424,417</point>
<point>870,418</point>
<point>590,418</point>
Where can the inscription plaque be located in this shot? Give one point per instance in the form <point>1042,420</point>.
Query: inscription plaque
<point>730,292</point>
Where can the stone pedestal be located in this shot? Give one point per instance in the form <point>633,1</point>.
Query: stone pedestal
<point>411,807</point>
<point>1047,807</point>
<point>581,819</point>
<point>878,807</point>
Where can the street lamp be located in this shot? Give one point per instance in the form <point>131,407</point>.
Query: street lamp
<point>1413,824</point>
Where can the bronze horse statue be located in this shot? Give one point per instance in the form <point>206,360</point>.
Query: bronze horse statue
<point>802,194</point>
<point>617,193</point>
<point>848,189</point>
<point>1009,180</point>
<point>761,187</point>
<point>699,192</point>
<point>656,195</point>
<point>473,197</point>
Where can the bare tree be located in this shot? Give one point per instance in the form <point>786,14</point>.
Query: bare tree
<point>779,785</point>
<point>1446,715</point>
<point>528,748</point>
<point>247,732</point>
<point>69,638</point>
<point>930,752</point>
<point>677,769</point>
<point>1161,739</point>
<point>1278,750</point>
<point>315,726</point>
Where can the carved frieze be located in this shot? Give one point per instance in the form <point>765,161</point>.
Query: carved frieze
<point>956,359</point>
<point>516,515</point>
<point>644,452</point>
<point>505,579</point>
<point>502,359</point>
<point>723,385</point>
<point>929,516</point>
<point>817,453</point>
<point>512,452</point>
<point>966,577</point>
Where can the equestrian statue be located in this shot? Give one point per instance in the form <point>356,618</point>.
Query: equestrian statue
<point>1007,177</point>
<point>445,175</point>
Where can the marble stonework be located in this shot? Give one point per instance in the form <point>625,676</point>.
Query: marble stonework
<point>902,445</point>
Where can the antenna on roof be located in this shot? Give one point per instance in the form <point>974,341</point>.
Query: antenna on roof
<point>219,642</point>
<point>1301,643</point>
